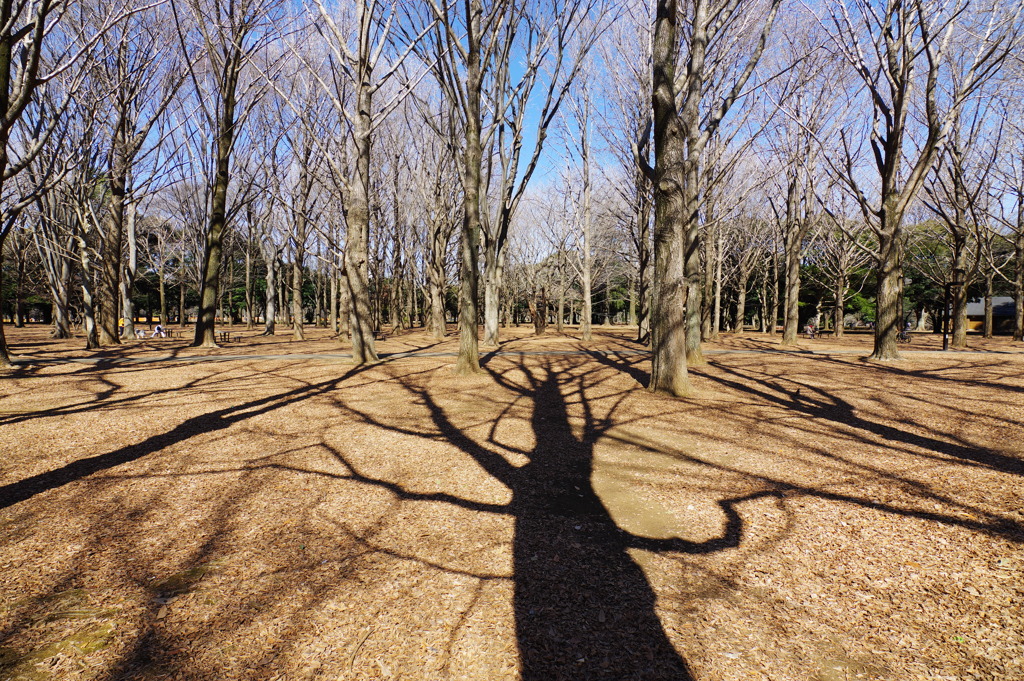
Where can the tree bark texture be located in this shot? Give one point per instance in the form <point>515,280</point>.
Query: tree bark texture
<point>357,253</point>
<point>668,319</point>
<point>643,252</point>
<point>207,318</point>
<point>1018,282</point>
<point>889,287</point>
<point>469,352</point>
<point>111,244</point>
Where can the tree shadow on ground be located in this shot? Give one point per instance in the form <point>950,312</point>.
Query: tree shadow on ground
<point>815,403</point>
<point>824,404</point>
<point>219,419</point>
<point>583,607</point>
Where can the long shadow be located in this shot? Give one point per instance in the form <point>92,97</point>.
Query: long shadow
<point>932,373</point>
<point>619,363</point>
<point>819,403</point>
<point>219,419</point>
<point>583,607</point>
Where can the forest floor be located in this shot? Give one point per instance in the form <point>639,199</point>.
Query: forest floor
<point>280,514</point>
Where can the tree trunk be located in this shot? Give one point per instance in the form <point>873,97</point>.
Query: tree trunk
<point>61,294</point>
<point>357,253</point>
<point>227,286</point>
<point>5,356</point>
<point>19,287</point>
<point>469,353</point>
<point>694,299</point>
<point>298,315</point>
<point>708,280</point>
<point>395,287</point>
<point>249,321</point>
<point>270,309</point>
<point>717,315</point>
<point>283,305</point>
<point>959,337</point>
<point>608,300</point>
<point>587,271</point>
<point>560,319</point>
<point>332,315</point>
<point>89,311</point>
<point>791,245</point>
<point>129,273</point>
<point>409,289</point>
<point>631,307</point>
<point>538,309</point>
<point>668,317</point>
<point>989,331</point>
<point>741,298</point>
<point>587,309</point>
<point>111,242</point>
<point>435,279</point>
<point>643,250</point>
<point>773,292</point>
<point>839,314</point>
<point>493,267</point>
<point>344,306</point>
<point>207,318</point>
<point>163,294</point>
<point>181,303</point>
<point>298,274</point>
<point>1018,282</point>
<point>922,318</point>
<point>889,273</point>
<point>791,321</point>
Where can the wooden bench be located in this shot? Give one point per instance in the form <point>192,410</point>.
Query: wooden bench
<point>226,337</point>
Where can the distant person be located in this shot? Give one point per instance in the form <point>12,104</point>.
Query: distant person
<point>158,330</point>
<point>140,334</point>
<point>810,330</point>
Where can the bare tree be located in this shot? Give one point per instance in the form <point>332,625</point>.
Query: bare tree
<point>228,34</point>
<point>957,191</point>
<point>139,73</point>
<point>837,250</point>
<point>39,47</point>
<point>626,88</point>
<point>578,131</point>
<point>1008,208</point>
<point>804,107</point>
<point>898,49</point>
<point>479,40</point>
<point>680,135</point>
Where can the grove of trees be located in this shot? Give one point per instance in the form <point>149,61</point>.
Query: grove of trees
<point>689,167</point>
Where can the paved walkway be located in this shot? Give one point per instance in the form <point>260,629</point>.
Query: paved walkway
<point>335,357</point>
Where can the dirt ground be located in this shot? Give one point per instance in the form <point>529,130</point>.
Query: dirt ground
<point>281,515</point>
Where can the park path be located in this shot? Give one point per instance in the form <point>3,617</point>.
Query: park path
<point>390,356</point>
